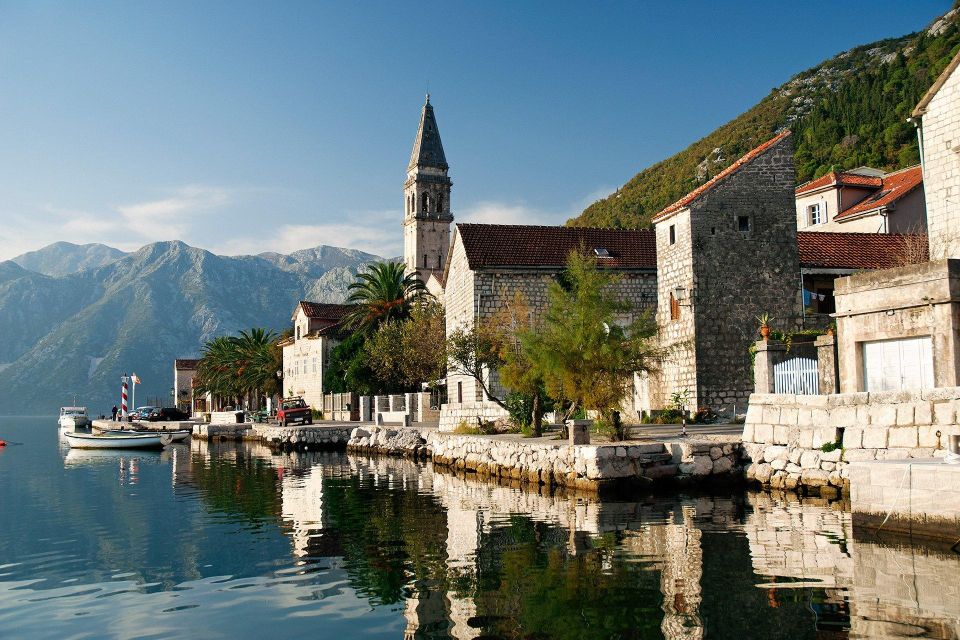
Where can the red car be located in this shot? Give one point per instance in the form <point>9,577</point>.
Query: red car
<point>294,410</point>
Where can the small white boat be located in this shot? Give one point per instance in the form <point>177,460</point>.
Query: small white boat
<point>179,435</point>
<point>74,417</point>
<point>118,441</point>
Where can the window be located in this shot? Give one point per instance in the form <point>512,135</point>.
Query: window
<point>424,261</point>
<point>601,252</point>
<point>743,224</point>
<point>460,392</point>
<point>298,332</point>
<point>426,203</point>
<point>314,364</point>
<point>673,234</point>
<point>674,307</point>
<point>713,231</point>
<point>815,216</point>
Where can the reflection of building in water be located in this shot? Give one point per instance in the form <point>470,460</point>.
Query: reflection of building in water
<point>891,590</point>
<point>301,499</point>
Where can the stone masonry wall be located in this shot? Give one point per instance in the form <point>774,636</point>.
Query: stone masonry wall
<point>941,169</point>
<point>740,275</point>
<point>784,434</point>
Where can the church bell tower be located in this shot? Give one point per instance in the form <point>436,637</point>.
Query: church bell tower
<point>427,217</point>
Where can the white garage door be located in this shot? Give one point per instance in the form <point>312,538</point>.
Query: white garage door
<point>896,365</point>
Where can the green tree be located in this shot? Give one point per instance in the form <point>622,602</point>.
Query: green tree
<point>512,324</point>
<point>473,352</point>
<point>405,353</point>
<point>243,366</point>
<point>349,368</point>
<point>382,293</point>
<point>584,356</point>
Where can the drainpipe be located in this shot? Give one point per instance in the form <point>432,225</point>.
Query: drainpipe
<point>918,125</point>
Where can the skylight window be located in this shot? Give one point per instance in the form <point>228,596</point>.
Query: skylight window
<point>601,252</point>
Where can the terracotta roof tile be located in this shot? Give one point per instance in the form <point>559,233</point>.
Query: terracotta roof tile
<point>720,177</point>
<point>496,245</point>
<point>185,364</point>
<point>856,250</point>
<point>843,179</point>
<point>324,311</point>
<point>895,186</point>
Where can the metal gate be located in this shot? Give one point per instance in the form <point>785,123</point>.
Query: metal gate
<point>799,376</point>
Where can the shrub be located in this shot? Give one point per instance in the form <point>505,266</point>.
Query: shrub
<point>830,446</point>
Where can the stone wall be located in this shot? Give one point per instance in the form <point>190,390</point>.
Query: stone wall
<point>452,414</point>
<point>730,275</point>
<point>941,171</point>
<point>301,437</point>
<point>784,435</point>
<point>919,300</point>
<point>763,277</point>
<point>918,497</point>
<point>402,441</point>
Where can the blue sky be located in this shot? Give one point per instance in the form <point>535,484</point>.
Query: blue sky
<point>243,127</point>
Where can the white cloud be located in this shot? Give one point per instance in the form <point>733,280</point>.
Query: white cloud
<point>170,217</point>
<point>377,232</point>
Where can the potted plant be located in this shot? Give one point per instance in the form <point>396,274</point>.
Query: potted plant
<point>764,320</point>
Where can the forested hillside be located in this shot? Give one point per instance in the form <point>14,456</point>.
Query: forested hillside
<point>849,111</point>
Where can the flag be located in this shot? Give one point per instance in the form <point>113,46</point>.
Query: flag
<point>135,379</point>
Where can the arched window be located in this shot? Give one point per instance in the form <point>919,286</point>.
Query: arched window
<point>426,203</point>
<point>424,261</point>
<point>298,333</point>
<point>439,203</point>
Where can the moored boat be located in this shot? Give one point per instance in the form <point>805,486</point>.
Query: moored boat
<point>74,417</point>
<point>118,441</point>
<point>179,435</point>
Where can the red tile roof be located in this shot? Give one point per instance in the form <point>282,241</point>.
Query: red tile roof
<point>843,179</point>
<point>508,245</point>
<point>895,186</point>
<point>857,250</point>
<point>720,177</point>
<point>185,364</point>
<point>323,311</point>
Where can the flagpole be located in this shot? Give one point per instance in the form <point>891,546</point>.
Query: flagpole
<point>133,396</point>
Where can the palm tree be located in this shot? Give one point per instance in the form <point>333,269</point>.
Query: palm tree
<point>241,366</point>
<point>382,293</point>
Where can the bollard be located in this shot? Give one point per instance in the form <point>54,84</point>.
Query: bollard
<point>579,431</point>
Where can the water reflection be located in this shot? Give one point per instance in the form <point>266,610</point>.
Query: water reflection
<point>246,541</point>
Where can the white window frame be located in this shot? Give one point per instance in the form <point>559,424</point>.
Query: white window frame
<point>815,214</point>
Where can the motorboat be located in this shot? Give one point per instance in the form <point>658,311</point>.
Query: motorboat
<point>74,417</point>
<point>179,435</point>
<point>118,440</point>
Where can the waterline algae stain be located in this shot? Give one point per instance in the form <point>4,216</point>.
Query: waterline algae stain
<point>239,541</point>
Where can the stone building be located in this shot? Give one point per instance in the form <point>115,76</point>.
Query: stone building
<point>306,353</point>
<point>863,200</point>
<point>489,263</point>
<point>726,253</point>
<point>184,371</point>
<point>938,117</point>
<point>427,217</point>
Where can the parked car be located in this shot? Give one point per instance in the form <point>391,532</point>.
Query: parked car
<point>167,414</point>
<point>141,413</point>
<point>294,410</point>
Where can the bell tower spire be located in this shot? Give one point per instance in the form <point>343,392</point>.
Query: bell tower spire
<point>427,216</point>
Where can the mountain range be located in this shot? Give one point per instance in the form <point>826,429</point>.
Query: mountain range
<point>848,111</point>
<point>74,318</point>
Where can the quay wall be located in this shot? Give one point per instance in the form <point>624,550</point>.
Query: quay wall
<point>301,437</point>
<point>556,463</point>
<point>784,436</point>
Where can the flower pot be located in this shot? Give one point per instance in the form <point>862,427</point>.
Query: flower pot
<point>765,332</point>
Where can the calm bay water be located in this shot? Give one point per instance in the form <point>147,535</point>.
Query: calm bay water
<point>234,541</point>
